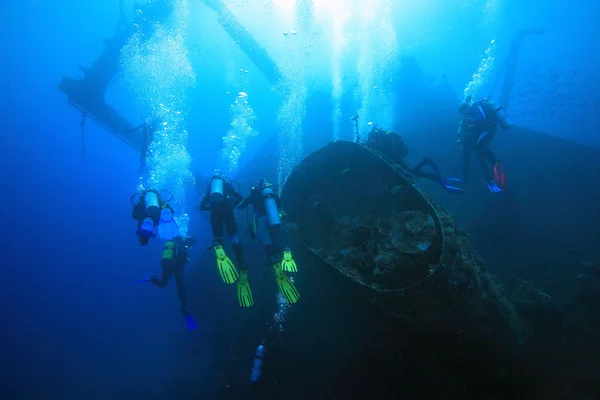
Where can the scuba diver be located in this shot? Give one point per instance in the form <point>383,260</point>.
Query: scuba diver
<point>475,133</point>
<point>267,225</point>
<point>391,145</point>
<point>154,216</point>
<point>220,199</point>
<point>174,258</point>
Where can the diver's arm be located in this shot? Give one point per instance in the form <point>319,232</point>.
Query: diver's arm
<point>245,203</point>
<point>477,117</point>
<point>204,204</point>
<point>138,212</point>
<point>189,241</point>
<point>233,196</point>
<point>237,196</point>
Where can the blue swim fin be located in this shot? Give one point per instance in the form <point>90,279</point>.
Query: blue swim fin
<point>167,227</point>
<point>494,188</point>
<point>189,319</point>
<point>191,323</point>
<point>449,185</point>
<point>145,280</point>
<point>147,228</point>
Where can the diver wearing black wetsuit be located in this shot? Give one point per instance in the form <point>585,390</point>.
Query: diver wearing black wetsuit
<point>269,236</point>
<point>174,258</point>
<point>478,129</point>
<point>140,212</point>
<point>222,213</point>
<point>391,145</point>
<point>419,173</point>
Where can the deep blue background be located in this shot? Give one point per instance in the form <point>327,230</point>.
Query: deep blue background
<point>73,323</point>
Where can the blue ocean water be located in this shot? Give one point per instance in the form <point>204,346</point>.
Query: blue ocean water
<point>75,325</point>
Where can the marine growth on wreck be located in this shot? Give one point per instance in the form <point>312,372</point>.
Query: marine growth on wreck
<point>392,243</point>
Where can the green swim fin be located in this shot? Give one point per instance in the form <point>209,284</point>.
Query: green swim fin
<point>288,264</point>
<point>227,270</point>
<point>285,285</point>
<point>243,290</point>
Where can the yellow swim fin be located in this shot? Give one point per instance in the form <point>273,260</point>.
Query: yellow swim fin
<point>288,264</point>
<point>285,285</point>
<point>227,270</point>
<point>243,290</point>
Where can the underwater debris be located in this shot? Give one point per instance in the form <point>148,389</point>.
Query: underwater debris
<point>413,232</point>
<point>393,244</point>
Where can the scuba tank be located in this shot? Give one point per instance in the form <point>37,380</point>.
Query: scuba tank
<point>151,201</point>
<point>271,209</point>
<point>168,252</point>
<point>258,361</point>
<point>503,118</point>
<point>173,249</point>
<point>216,184</point>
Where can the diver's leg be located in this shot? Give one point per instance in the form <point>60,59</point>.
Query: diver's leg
<point>436,176</point>
<point>164,279</point>
<point>216,224</point>
<point>426,175</point>
<point>264,236</point>
<point>483,152</point>
<point>466,160</point>
<point>237,249</point>
<point>417,168</point>
<point>179,281</point>
<point>231,226</point>
<point>276,237</point>
<point>485,139</point>
<point>484,167</point>
<point>489,156</point>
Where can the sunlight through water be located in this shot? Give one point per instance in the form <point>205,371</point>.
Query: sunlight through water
<point>378,52</point>
<point>484,72</point>
<point>292,88</point>
<point>334,14</point>
<point>240,131</point>
<point>487,62</point>
<point>158,72</point>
